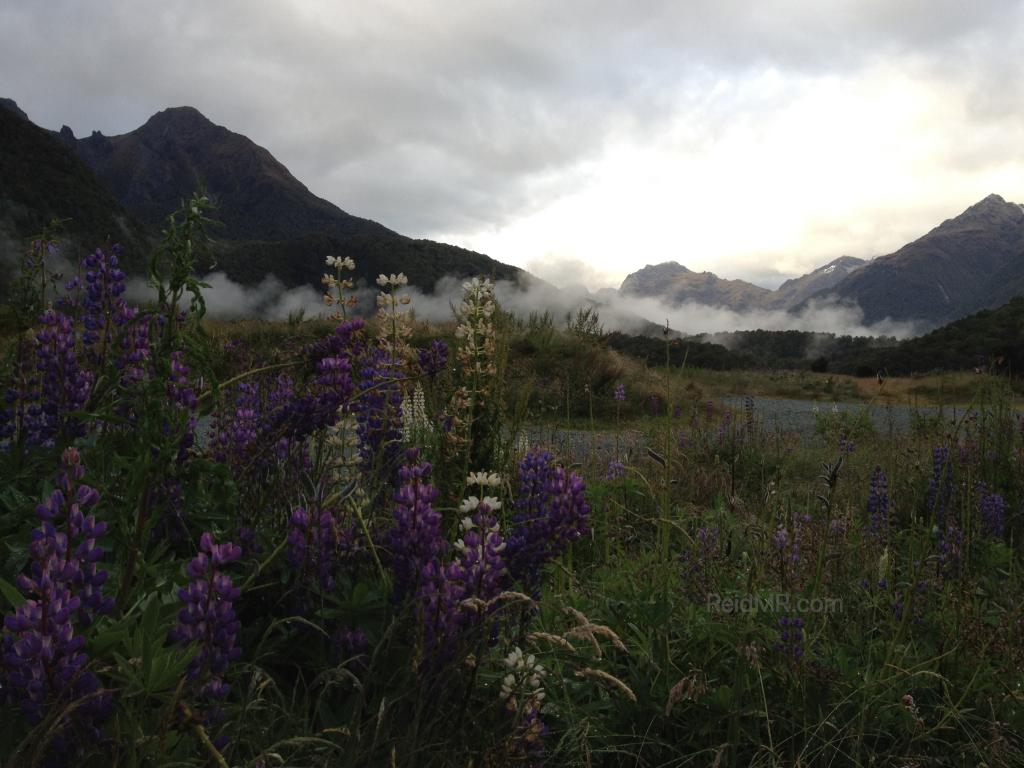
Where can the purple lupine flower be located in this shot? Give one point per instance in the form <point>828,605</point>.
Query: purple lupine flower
<point>350,646</point>
<point>940,487</point>
<point>43,661</point>
<point>551,513</point>
<point>479,572</point>
<point>237,426</point>
<point>616,469</point>
<point>781,539</point>
<point>878,506</point>
<point>698,560</point>
<point>316,545</point>
<point>68,531</point>
<point>837,527</point>
<point>787,542</point>
<point>433,359</point>
<point>846,446</point>
<point>951,549</point>
<point>103,305</point>
<point>480,568</point>
<point>63,385</point>
<point>992,509</point>
<point>208,616</point>
<point>378,410</point>
<point>135,355</point>
<point>438,608</point>
<point>260,431</point>
<point>333,385</point>
<point>181,393</point>
<point>723,427</point>
<point>170,498</point>
<point>620,393</point>
<point>791,637</point>
<point>179,388</point>
<point>707,538</point>
<point>415,543</point>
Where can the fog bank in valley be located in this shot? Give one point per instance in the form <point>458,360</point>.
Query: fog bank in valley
<point>270,300</point>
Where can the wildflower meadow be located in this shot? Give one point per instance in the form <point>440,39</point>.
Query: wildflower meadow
<point>343,548</point>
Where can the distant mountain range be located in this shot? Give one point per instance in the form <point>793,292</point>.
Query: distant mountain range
<point>968,263</point>
<point>676,284</point>
<point>122,188</point>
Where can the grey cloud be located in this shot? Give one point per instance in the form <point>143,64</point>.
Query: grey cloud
<point>456,117</point>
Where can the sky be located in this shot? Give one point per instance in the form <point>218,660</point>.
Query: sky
<point>580,140</point>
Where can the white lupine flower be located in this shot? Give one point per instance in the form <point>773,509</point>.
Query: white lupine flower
<point>484,479</point>
<point>524,674</point>
<point>414,415</point>
<point>468,524</point>
<point>514,658</point>
<point>392,279</point>
<point>346,263</point>
<point>507,686</point>
<point>470,503</point>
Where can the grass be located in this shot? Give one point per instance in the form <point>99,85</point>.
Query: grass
<point>740,597</point>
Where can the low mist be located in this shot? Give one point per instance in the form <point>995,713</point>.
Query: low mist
<point>270,300</point>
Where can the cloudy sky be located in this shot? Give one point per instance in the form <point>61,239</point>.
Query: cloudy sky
<point>582,140</point>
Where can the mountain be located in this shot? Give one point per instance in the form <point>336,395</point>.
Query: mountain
<point>989,339</point>
<point>12,106</point>
<point>798,289</point>
<point>675,284</point>
<point>42,180</point>
<point>150,169</point>
<point>971,262</point>
<point>270,222</point>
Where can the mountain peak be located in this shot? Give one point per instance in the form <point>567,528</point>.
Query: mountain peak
<point>675,283</point>
<point>652,277</point>
<point>178,119</point>
<point>12,105</point>
<point>990,209</point>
